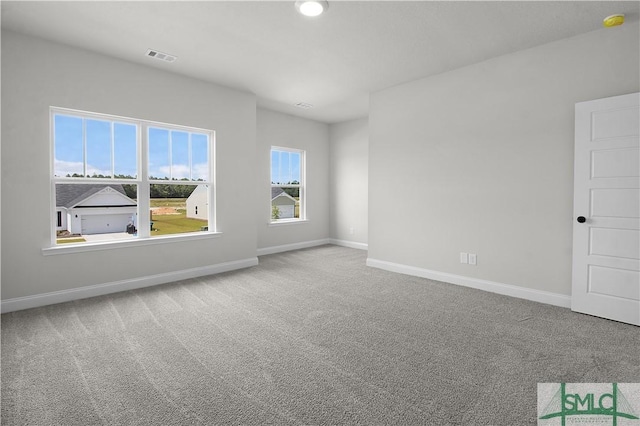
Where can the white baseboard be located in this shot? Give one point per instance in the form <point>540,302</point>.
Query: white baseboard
<point>491,286</point>
<point>19,303</point>
<point>350,244</point>
<point>293,246</point>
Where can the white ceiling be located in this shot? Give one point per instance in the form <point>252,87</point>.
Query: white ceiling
<point>332,62</point>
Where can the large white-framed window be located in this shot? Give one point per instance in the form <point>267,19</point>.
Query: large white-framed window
<point>116,178</point>
<point>288,191</point>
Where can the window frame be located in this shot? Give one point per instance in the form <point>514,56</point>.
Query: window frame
<point>141,180</point>
<point>302,187</point>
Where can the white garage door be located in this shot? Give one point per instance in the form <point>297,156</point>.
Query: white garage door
<point>105,223</point>
<point>285,211</point>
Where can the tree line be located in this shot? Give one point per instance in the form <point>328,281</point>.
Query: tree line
<point>294,192</point>
<point>157,190</point>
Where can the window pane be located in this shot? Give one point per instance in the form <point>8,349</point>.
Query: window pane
<point>68,159</point>
<point>199,156</point>
<point>95,212</point>
<point>159,154</point>
<point>178,209</point>
<point>285,167</point>
<point>125,152</point>
<point>285,203</point>
<point>294,167</point>
<point>91,145</point>
<point>98,139</point>
<point>180,156</point>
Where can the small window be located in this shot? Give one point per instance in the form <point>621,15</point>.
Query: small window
<point>287,184</point>
<point>120,178</point>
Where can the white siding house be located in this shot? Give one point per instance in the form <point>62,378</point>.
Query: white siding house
<point>94,209</point>
<point>285,203</point>
<point>198,203</point>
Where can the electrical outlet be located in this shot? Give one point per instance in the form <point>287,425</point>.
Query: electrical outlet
<point>473,259</point>
<point>351,230</point>
<point>464,258</point>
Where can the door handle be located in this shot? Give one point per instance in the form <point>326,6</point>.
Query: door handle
<point>581,219</point>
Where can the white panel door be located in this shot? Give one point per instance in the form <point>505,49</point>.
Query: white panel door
<point>606,206</point>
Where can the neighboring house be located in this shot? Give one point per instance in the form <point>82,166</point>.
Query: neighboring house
<point>94,209</point>
<point>285,203</point>
<point>198,203</point>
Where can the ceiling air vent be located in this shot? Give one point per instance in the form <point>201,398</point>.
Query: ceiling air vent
<point>161,56</point>
<point>304,105</point>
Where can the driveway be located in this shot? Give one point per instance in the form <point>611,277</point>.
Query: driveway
<point>108,237</point>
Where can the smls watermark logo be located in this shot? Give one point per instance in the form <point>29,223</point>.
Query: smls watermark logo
<point>616,404</point>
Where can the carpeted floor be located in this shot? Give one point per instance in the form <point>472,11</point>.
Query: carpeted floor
<point>308,337</point>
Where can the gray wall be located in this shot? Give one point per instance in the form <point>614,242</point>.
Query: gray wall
<point>480,160</point>
<point>348,180</point>
<point>37,74</point>
<point>277,129</point>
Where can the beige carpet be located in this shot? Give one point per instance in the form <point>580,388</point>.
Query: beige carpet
<point>307,337</point>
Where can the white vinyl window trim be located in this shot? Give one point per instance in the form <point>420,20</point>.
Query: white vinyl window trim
<point>141,180</point>
<point>302,198</point>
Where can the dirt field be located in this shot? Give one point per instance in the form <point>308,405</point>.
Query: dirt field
<point>164,210</point>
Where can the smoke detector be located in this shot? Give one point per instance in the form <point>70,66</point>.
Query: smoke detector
<point>161,56</point>
<point>613,20</point>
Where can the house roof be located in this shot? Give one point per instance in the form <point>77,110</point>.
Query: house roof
<point>276,192</point>
<point>198,191</point>
<point>70,194</point>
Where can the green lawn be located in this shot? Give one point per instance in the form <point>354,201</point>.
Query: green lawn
<point>168,224</point>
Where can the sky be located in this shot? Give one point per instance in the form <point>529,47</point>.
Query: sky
<point>169,153</point>
<point>285,166</point>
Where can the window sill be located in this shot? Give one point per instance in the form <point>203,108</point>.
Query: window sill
<point>282,222</point>
<point>110,245</point>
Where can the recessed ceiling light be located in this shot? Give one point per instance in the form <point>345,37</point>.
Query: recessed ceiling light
<point>311,7</point>
<point>613,20</point>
